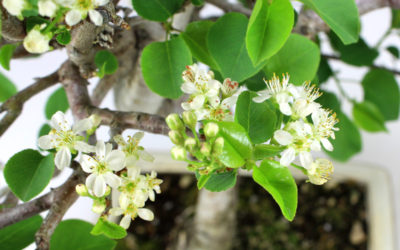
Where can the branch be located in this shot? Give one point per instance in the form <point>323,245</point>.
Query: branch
<point>14,104</point>
<point>228,7</point>
<point>11,28</point>
<point>23,211</point>
<point>333,57</point>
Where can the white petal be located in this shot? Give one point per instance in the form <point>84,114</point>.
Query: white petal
<point>90,181</point>
<point>327,144</point>
<point>229,102</point>
<point>138,136</point>
<point>82,125</point>
<point>59,122</point>
<point>283,137</point>
<point>116,211</point>
<point>100,2</point>
<point>112,180</point>
<point>288,156</point>
<point>99,188</point>
<point>198,102</point>
<point>123,200</point>
<point>315,145</point>
<point>96,17</point>
<point>186,106</point>
<point>125,222</point>
<point>115,160</point>
<point>214,101</point>
<point>144,155</point>
<point>152,195</point>
<point>101,149</point>
<point>188,88</point>
<point>84,147</point>
<point>87,163</point>
<point>145,214</point>
<point>73,17</point>
<point>306,159</point>
<point>46,142</point>
<point>63,158</point>
<point>262,96</point>
<point>108,148</point>
<point>133,172</point>
<point>285,108</point>
<point>131,161</point>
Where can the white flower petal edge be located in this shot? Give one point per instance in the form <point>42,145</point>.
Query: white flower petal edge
<point>288,156</point>
<point>96,17</point>
<point>145,214</point>
<point>63,158</point>
<point>73,17</point>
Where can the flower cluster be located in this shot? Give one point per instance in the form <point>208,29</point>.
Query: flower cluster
<point>209,99</point>
<point>298,134</point>
<point>108,168</point>
<point>70,12</point>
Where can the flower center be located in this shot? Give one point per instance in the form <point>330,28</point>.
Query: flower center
<point>85,4</point>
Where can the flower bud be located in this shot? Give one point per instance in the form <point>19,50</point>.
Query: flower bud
<point>174,122</point>
<point>190,119</point>
<point>211,129</point>
<point>82,190</point>
<point>218,146</point>
<point>98,206</point>
<point>176,137</point>
<point>205,149</point>
<point>178,153</point>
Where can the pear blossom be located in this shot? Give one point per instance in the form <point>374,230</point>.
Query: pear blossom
<point>153,185</point>
<point>15,7</point>
<point>64,139</point>
<point>47,8</point>
<point>101,168</point>
<point>320,171</point>
<point>130,212</point>
<point>324,122</point>
<point>201,85</point>
<point>36,42</point>
<point>80,9</point>
<point>133,152</point>
<point>217,110</point>
<point>280,90</point>
<point>305,96</point>
<point>229,87</point>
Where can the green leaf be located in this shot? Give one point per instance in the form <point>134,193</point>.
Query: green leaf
<point>162,66</point>
<point>197,2</point>
<point>358,54</point>
<point>221,181</point>
<point>64,37</point>
<point>109,229</point>
<point>202,180</point>
<point>340,15</point>
<point>329,101</point>
<point>237,145</point>
<point>256,82</point>
<point>27,173</point>
<point>299,57</point>
<point>157,10</point>
<point>279,182</point>
<point>195,37</point>
<point>269,27</point>
<point>395,18</point>
<point>394,51</point>
<point>44,130</point>
<point>75,234</point>
<point>7,88</point>
<point>263,151</point>
<point>226,43</point>
<point>256,118</point>
<point>380,88</point>
<point>324,71</point>
<point>31,22</point>
<point>106,62</point>
<point>368,117</point>
<point>347,140</point>
<point>20,234</point>
<point>6,53</point>
<point>58,101</point>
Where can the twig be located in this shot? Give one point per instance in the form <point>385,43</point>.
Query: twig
<point>14,104</point>
<point>11,28</point>
<point>228,7</point>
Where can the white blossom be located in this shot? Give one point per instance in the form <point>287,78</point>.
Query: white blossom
<point>320,171</point>
<point>324,122</point>
<point>15,7</point>
<point>36,42</point>
<point>305,96</point>
<point>101,168</point>
<point>80,10</point>
<point>47,8</point>
<point>133,152</point>
<point>65,139</point>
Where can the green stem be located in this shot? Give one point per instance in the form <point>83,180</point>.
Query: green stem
<point>387,33</point>
<point>57,18</point>
<point>341,90</point>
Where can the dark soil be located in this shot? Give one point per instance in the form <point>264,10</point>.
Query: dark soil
<point>332,216</point>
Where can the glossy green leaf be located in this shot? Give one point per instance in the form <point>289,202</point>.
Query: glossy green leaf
<point>57,102</point>
<point>20,234</point>
<point>347,141</point>
<point>395,18</point>
<point>226,43</point>
<point>324,71</point>
<point>394,51</point>
<point>368,117</point>
<point>263,151</point>
<point>329,101</point>
<point>256,118</point>
<point>340,15</point>
<point>380,88</point>
<point>221,181</point>
<point>157,10</point>
<point>202,180</point>
<point>237,145</point>
<point>269,27</point>
<point>195,37</point>
<point>197,2</point>
<point>299,57</point>
<point>256,82</point>
<point>31,22</point>
<point>7,88</point>
<point>358,54</point>
<point>279,182</point>
<point>162,66</point>
<point>6,53</point>
<point>27,173</point>
<point>44,130</point>
<point>106,62</point>
<point>109,229</point>
<point>75,234</point>
<point>64,37</point>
